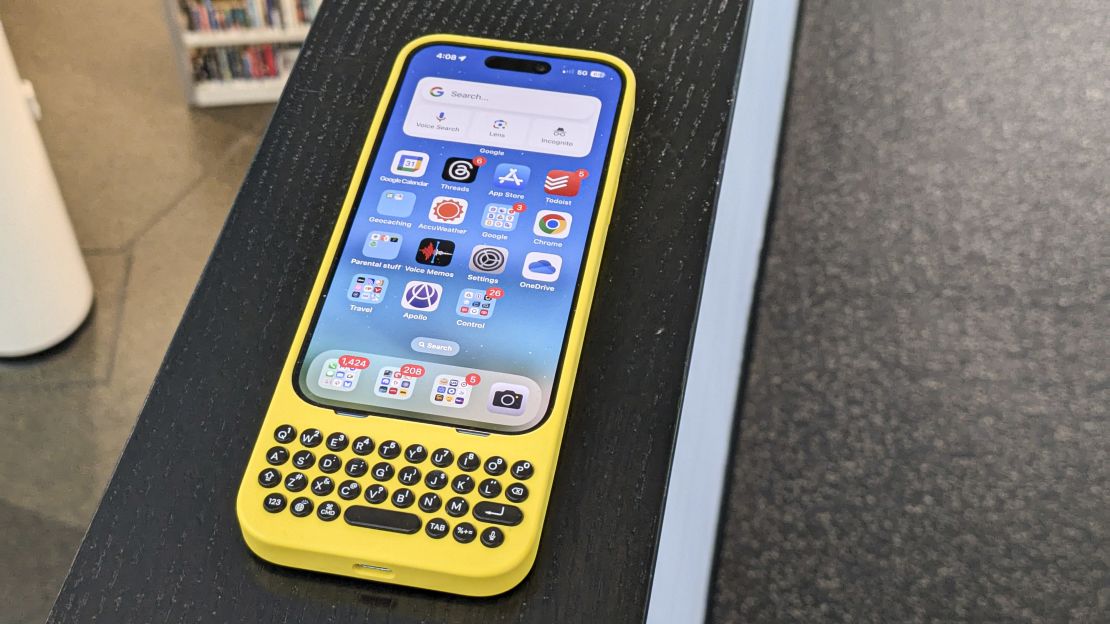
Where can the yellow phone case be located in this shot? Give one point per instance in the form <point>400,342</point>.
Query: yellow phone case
<point>416,559</point>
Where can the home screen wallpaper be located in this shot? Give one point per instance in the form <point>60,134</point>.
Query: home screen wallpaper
<point>452,292</point>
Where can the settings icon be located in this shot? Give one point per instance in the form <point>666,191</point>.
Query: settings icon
<point>488,259</point>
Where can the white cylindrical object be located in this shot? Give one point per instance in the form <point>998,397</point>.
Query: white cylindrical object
<point>45,290</point>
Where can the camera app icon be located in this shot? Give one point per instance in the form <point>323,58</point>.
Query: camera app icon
<point>505,398</point>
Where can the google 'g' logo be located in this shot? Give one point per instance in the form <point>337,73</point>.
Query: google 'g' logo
<point>436,91</point>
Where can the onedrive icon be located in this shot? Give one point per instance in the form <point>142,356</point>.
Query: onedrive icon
<point>542,267</point>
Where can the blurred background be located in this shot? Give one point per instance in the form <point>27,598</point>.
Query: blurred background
<point>148,181</point>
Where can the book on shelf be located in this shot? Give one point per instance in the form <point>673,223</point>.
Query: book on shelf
<point>243,63</point>
<point>306,10</point>
<point>223,15</point>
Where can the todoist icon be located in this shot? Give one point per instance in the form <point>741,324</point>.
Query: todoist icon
<point>565,183</point>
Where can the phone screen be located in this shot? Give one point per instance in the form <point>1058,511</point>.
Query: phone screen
<point>450,296</point>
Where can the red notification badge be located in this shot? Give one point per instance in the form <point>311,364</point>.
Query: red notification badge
<point>354,361</point>
<point>412,370</point>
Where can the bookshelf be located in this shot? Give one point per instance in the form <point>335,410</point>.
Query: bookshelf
<point>237,51</point>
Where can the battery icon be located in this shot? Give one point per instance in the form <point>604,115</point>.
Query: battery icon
<point>597,73</point>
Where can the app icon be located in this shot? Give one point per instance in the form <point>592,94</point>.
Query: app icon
<point>448,210</point>
<point>505,398</point>
<point>500,217</point>
<point>409,164</point>
<point>565,183</point>
<point>460,170</point>
<point>552,224</point>
<point>473,303</point>
<point>543,267</point>
<point>336,377</point>
<point>435,251</point>
<point>394,385</point>
<point>367,288</point>
<point>511,176</point>
<point>450,391</point>
<point>382,245</point>
<point>396,203</point>
<point>422,296</point>
<point>488,259</point>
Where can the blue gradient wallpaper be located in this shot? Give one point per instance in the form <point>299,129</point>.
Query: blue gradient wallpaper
<point>412,280</point>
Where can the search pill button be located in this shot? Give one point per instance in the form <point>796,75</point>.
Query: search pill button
<point>434,346</point>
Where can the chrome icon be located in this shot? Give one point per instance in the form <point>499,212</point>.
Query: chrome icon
<point>552,224</point>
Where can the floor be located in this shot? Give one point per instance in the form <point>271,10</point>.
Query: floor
<point>148,183</point>
<point>925,429</point>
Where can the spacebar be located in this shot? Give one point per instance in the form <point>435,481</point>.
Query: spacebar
<point>383,519</point>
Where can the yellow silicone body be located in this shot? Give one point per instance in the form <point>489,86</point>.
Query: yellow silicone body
<point>418,560</point>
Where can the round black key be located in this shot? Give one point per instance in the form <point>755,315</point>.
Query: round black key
<point>516,492</point>
<point>409,475</point>
<point>356,467</point>
<point>457,507</point>
<point>383,471</point>
<point>337,441</point>
<point>330,463</point>
<point>274,502</point>
<point>464,533</point>
<point>363,445</point>
<point>376,493</point>
<point>269,477</point>
<point>430,502</point>
<point>522,470</point>
<point>463,484</point>
<point>285,434</point>
<point>403,498</point>
<point>495,466</point>
<point>469,461</point>
<point>442,457</point>
<point>322,486</point>
<point>301,506</point>
<point>277,456</point>
<point>311,437</point>
<point>296,482</point>
<point>436,528</point>
<point>435,480</point>
<point>489,488</point>
<point>349,490</point>
<point>328,511</point>
<point>416,453</point>
<point>303,460</point>
<point>492,537</point>
<point>389,449</point>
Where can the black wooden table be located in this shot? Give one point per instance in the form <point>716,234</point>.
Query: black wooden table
<point>165,546</point>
